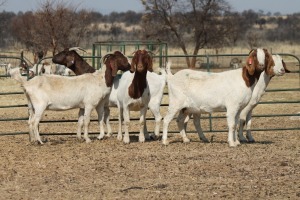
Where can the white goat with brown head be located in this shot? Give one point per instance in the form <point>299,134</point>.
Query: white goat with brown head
<point>133,93</point>
<point>194,92</point>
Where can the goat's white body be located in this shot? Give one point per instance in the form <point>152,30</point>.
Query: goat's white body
<point>258,92</point>
<point>156,87</point>
<point>202,92</point>
<point>125,104</point>
<point>54,92</point>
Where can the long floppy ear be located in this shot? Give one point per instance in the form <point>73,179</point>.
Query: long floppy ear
<point>114,67</point>
<point>70,60</point>
<point>150,64</point>
<point>250,62</point>
<point>133,63</point>
<point>269,63</point>
<point>284,66</point>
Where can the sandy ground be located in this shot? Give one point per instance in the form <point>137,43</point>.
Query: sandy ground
<point>66,168</point>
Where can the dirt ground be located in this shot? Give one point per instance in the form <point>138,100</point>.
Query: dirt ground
<point>65,168</point>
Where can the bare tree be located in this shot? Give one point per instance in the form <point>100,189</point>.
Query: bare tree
<point>199,23</point>
<point>55,25</point>
<point>2,2</point>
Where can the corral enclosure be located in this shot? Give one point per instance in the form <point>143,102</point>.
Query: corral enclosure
<point>66,168</point>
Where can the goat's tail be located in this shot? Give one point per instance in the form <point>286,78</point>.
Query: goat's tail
<point>15,74</point>
<point>168,70</point>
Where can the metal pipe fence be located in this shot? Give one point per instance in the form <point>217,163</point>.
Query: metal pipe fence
<point>211,118</point>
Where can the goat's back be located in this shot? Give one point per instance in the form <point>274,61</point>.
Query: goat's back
<point>208,91</point>
<point>61,93</point>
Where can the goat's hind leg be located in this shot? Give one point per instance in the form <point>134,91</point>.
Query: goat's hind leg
<point>86,122</point>
<point>196,120</point>
<point>182,126</point>
<point>80,123</point>
<point>34,123</point>
<point>107,121</point>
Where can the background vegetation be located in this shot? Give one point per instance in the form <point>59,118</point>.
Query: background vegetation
<point>188,25</point>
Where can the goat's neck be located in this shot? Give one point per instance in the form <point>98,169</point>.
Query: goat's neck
<point>250,80</point>
<point>138,85</point>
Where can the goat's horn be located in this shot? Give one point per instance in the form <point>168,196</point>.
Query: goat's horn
<point>77,48</point>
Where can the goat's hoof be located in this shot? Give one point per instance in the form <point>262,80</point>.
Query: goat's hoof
<point>243,140</point>
<point>232,144</point>
<point>88,140</point>
<point>186,140</point>
<point>204,139</point>
<point>250,140</point>
<point>126,140</point>
<point>119,138</point>
<point>100,137</point>
<point>165,142</point>
<point>154,137</point>
<point>109,135</point>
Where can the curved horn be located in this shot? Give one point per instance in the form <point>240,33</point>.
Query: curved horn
<point>77,48</point>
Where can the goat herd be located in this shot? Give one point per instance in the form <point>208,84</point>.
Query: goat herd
<point>190,93</point>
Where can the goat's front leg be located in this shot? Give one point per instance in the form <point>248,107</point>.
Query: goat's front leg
<point>143,113</point>
<point>100,111</point>
<point>232,119</point>
<point>80,122</point>
<point>120,121</point>
<point>248,127</point>
<point>182,126</point>
<point>126,116</point>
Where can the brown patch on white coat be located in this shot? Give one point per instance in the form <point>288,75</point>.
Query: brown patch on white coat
<point>141,63</point>
<point>255,64</point>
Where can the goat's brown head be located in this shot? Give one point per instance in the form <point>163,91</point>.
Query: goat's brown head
<point>116,61</point>
<point>141,61</point>
<point>71,59</point>
<point>65,57</point>
<point>255,61</point>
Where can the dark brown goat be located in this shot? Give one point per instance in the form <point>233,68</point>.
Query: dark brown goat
<point>71,59</point>
<point>114,62</point>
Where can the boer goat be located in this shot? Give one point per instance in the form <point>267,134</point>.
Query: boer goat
<point>113,61</point>
<point>133,93</point>
<point>54,92</point>
<point>194,92</point>
<point>259,89</point>
<point>156,87</point>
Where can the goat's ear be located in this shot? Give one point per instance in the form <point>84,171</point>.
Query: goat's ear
<point>284,66</point>
<point>70,60</point>
<point>250,62</point>
<point>114,67</point>
<point>269,63</point>
<point>150,64</point>
<point>133,64</point>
